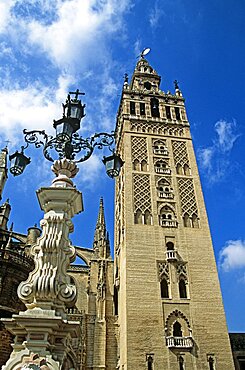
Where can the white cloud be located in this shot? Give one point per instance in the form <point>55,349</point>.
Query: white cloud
<point>232,256</point>
<point>226,136</point>
<point>5,11</point>
<point>33,107</point>
<point>90,171</point>
<point>155,14</point>
<point>62,44</point>
<point>77,36</point>
<point>215,160</point>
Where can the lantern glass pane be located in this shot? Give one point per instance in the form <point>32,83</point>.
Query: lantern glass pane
<point>75,112</point>
<point>64,131</point>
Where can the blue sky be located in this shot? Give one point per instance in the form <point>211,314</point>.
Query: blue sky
<point>51,46</point>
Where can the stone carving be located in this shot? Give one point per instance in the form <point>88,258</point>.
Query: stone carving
<point>181,270</point>
<point>142,193</point>
<point>187,196</point>
<point>180,153</point>
<point>48,285</point>
<point>157,128</point>
<point>139,148</point>
<point>163,270</point>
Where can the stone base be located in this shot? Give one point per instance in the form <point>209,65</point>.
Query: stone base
<point>44,334</point>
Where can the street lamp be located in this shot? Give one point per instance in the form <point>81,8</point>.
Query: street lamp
<point>44,329</point>
<point>18,162</point>
<point>68,144</point>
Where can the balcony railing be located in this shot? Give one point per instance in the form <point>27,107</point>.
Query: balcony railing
<point>179,342</point>
<point>166,171</point>
<point>160,151</point>
<point>161,194</point>
<point>171,255</point>
<point>168,223</point>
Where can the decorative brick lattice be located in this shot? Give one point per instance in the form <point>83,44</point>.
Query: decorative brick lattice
<point>163,270</point>
<point>180,153</point>
<point>187,197</point>
<point>139,148</point>
<point>181,270</point>
<point>157,128</point>
<point>142,193</point>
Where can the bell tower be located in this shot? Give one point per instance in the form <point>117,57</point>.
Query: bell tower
<point>167,293</point>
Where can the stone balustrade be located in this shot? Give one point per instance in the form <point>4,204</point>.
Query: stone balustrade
<point>179,342</point>
<point>161,194</point>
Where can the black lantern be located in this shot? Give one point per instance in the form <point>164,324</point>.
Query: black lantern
<point>65,127</point>
<point>73,112</point>
<point>18,162</point>
<point>113,165</point>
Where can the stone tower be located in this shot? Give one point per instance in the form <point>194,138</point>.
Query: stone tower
<point>168,299</point>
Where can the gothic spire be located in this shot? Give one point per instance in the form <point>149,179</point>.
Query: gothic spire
<point>101,239</point>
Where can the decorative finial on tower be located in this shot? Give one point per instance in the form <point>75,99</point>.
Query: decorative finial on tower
<point>176,85</point>
<point>177,89</point>
<point>144,52</point>
<point>125,84</point>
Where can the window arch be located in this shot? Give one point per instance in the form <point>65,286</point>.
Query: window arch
<point>162,167</point>
<point>211,363</point>
<point>138,217</point>
<point>136,165</point>
<point>143,165</point>
<point>150,363</point>
<point>170,246</point>
<point>186,220</point>
<point>159,147</point>
<point>155,107</point>
<point>179,169</point>
<point>167,217</point>
<point>147,217</point>
<point>182,288</point>
<point>177,329</point>
<point>164,288</point>
<point>186,170</point>
<point>195,222</point>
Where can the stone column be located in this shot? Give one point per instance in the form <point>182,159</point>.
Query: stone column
<point>43,329</point>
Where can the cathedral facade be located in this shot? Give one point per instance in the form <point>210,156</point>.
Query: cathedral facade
<point>157,304</point>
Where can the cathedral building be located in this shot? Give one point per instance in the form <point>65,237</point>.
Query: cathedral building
<point>157,304</point>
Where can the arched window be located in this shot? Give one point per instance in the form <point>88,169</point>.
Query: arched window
<point>182,288</point>
<point>150,363</point>
<point>161,167</point>
<point>177,330</point>
<point>143,165</point>
<point>154,107</point>
<point>211,363</point>
<point>115,301</point>
<point>195,223</point>
<point>167,217</point>
<point>186,170</point>
<point>164,288</point>
<point>138,217</point>
<point>186,220</point>
<point>147,218</point>
<point>136,165</point>
<point>179,169</point>
<point>170,246</point>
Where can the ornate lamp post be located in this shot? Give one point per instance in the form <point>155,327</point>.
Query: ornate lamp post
<point>68,144</point>
<point>43,330</point>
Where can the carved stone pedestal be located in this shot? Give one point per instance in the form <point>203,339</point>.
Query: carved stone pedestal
<point>43,330</point>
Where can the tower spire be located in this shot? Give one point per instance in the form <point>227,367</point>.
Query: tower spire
<point>101,240</point>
